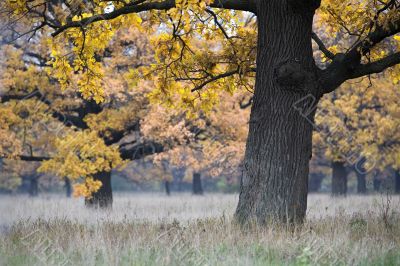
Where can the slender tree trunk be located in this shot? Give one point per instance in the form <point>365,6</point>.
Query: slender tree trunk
<point>167,187</point>
<point>361,183</point>
<point>377,184</point>
<point>274,182</point>
<point>103,198</point>
<point>33,186</point>
<point>361,177</point>
<point>197,186</point>
<point>180,185</point>
<point>397,182</point>
<point>339,179</point>
<point>179,174</point>
<point>67,186</point>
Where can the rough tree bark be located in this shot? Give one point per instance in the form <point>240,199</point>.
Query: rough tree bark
<point>197,186</point>
<point>339,179</point>
<point>103,198</point>
<point>274,183</point>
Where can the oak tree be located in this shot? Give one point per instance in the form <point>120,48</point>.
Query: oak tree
<point>288,83</point>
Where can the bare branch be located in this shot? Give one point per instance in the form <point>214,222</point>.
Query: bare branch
<point>322,46</point>
<point>244,105</point>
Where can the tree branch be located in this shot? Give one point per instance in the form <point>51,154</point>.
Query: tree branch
<point>322,46</point>
<point>114,136</point>
<point>214,78</point>
<point>139,150</point>
<point>242,5</point>
<point>67,119</point>
<point>7,98</point>
<point>244,105</point>
<point>348,66</point>
<point>139,6</point>
<point>27,158</point>
<point>377,66</point>
<point>299,6</point>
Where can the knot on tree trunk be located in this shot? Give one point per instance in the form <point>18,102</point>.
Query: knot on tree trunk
<point>292,76</point>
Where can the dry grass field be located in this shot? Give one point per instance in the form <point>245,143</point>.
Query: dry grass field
<point>153,229</point>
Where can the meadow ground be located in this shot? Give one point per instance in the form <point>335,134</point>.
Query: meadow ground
<point>153,229</point>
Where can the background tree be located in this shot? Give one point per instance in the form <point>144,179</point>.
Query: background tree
<point>357,129</point>
<point>87,140</point>
<point>76,138</point>
<point>211,144</point>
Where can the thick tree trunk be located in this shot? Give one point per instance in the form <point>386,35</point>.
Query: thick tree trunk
<point>397,182</point>
<point>274,183</point>
<point>33,186</point>
<point>197,186</point>
<point>339,179</point>
<point>103,198</point>
<point>67,186</point>
<point>361,177</point>
<point>167,187</point>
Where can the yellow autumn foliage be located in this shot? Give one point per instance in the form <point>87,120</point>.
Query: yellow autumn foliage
<point>80,155</point>
<point>86,189</point>
<point>361,119</point>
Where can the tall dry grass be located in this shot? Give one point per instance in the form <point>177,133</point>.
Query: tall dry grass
<point>150,229</point>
